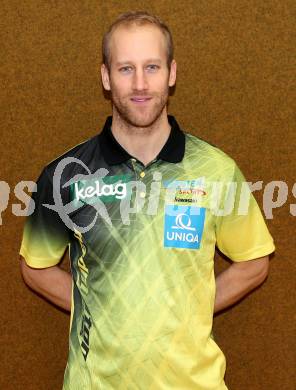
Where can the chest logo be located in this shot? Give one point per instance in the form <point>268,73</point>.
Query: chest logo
<point>180,222</point>
<point>183,226</point>
<point>98,189</point>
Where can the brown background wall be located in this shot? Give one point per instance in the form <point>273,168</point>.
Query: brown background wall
<point>234,89</point>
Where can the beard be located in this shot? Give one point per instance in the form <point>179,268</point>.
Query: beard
<point>136,115</point>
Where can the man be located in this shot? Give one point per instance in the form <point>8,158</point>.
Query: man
<point>142,225</point>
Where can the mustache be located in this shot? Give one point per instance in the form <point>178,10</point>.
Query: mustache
<point>140,94</point>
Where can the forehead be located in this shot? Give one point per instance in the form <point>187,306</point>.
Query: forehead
<point>136,43</point>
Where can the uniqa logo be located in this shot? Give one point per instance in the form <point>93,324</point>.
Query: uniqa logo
<point>181,225</point>
<point>118,190</point>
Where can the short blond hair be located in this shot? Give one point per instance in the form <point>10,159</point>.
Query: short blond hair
<point>138,18</point>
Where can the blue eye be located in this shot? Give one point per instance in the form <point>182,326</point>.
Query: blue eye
<point>152,67</point>
<point>125,69</point>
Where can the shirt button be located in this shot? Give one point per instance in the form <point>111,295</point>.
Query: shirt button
<point>142,174</point>
<point>142,194</point>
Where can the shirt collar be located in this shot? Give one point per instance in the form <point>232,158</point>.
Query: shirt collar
<point>113,153</point>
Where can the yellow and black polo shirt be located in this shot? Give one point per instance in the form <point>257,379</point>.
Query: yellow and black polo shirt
<point>142,242</point>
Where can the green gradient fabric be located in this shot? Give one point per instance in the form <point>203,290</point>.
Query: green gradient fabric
<point>143,274</point>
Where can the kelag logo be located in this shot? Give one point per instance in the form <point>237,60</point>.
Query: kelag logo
<point>183,226</point>
<point>107,189</point>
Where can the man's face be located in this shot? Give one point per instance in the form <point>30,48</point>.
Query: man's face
<point>139,78</point>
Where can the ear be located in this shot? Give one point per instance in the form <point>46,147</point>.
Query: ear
<point>105,77</point>
<point>173,73</point>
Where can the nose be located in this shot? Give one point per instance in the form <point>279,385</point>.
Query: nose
<point>139,80</point>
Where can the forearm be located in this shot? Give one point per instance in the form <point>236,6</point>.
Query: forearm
<point>237,280</point>
<point>53,283</point>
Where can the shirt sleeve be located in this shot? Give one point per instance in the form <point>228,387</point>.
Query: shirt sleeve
<point>45,237</point>
<point>242,233</point>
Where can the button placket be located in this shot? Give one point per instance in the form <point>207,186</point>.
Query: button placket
<point>141,176</point>
<point>138,171</point>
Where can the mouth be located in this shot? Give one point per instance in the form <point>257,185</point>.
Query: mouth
<point>140,99</point>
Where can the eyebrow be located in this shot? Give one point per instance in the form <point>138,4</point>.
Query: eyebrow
<point>154,60</point>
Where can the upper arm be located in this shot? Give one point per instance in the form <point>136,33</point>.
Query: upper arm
<point>45,236</point>
<point>256,268</point>
<point>242,233</point>
<point>27,271</point>
<point>32,275</point>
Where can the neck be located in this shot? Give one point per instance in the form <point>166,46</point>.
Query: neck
<point>143,143</point>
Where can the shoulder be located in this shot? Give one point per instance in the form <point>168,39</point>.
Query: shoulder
<point>79,159</point>
<point>211,156</point>
<point>83,151</point>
